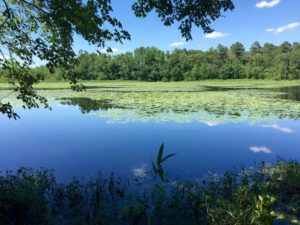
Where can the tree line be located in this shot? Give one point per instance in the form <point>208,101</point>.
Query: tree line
<point>152,64</point>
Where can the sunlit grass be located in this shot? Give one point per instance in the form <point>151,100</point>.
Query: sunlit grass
<point>166,86</point>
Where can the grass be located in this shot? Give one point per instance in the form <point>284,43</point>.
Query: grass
<point>166,86</point>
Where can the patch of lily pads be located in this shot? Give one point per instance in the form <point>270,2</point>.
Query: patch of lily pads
<point>204,105</point>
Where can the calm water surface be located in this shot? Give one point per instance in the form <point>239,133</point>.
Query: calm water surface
<point>74,140</point>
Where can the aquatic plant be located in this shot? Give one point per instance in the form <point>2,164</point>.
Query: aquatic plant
<point>261,195</point>
<point>180,102</point>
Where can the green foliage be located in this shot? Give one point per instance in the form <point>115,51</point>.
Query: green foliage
<point>151,64</point>
<point>263,213</point>
<point>250,196</point>
<point>23,197</point>
<point>187,13</point>
<point>158,168</point>
<point>45,30</point>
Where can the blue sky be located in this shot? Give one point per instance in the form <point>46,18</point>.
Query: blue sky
<point>271,21</point>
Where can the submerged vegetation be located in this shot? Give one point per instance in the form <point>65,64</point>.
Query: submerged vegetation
<point>260,195</point>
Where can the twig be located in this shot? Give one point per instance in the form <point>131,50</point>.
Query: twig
<point>34,6</point>
<point>7,95</point>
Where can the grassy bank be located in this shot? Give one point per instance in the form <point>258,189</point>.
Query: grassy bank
<point>257,196</point>
<point>165,86</point>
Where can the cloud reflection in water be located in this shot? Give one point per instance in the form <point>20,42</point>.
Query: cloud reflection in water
<point>280,128</point>
<point>140,171</point>
<point>259,149</point>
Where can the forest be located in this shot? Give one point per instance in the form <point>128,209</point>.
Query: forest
<point>266,61</point>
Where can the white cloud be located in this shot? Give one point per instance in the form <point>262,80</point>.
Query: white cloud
<point>267,4</point>
<point>112,49</point>
<point>258,149</point>
<point>270,30</point>
<point>215,35</point>
<point>281,29</point>
<point>177,43</point>
<point>140,171</point>
<point>289,26</point>
<point>277,127</point>
<point>211,123</point>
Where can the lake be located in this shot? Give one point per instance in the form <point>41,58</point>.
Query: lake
<point>110,129</point>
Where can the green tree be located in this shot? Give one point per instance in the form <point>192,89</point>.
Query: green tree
<point>126,64</point>
<point>176,74</point>
<point>45,29</point>
<point>237,50</point>
<point>87,67</point>
<point>222,54</point>
<point>187,13</point>
<point>227,71</point>
<point>256,47</point>
<point>113,69</point>
<point>283,60</point>
<point>295,61</point>
<point>152,64</point>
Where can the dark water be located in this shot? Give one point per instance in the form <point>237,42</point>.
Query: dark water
<point>286,93</point>
<point>73,141</point>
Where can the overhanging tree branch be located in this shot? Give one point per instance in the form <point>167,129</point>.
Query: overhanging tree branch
<point>54,23</point>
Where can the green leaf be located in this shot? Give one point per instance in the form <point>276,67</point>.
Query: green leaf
<point>160,154</point>
<point>160,172</point>
<point>167,157</point>
<point>154,168</point>
<point>159,188</point>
